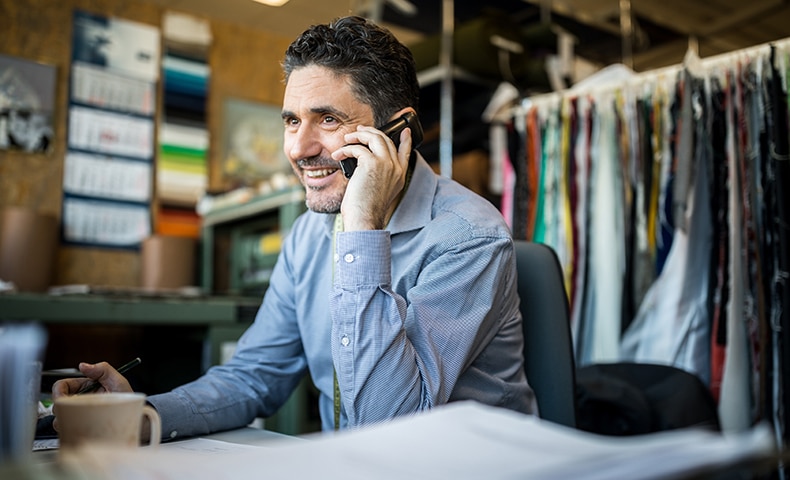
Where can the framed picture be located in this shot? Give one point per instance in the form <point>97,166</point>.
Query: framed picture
<point>27,104</point>
<point>252,142</point>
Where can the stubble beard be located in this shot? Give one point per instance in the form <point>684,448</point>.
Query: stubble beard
<point>320,201</point>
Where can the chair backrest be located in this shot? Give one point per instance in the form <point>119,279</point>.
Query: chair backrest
<point>548,345</point>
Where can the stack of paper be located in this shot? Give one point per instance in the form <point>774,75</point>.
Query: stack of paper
<point>458,441</point>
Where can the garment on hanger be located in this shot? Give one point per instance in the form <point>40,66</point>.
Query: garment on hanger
<point>778,201</point>
<point>672,325</point>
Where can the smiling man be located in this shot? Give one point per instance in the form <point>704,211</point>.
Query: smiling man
<point>395,291</point>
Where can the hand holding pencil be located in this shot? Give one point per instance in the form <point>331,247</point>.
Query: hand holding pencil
<point>99,377</point>
<point>94,385</point>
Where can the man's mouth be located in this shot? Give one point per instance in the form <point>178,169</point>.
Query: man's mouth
<point>321,173</point>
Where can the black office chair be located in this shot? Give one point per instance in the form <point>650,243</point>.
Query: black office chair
<point>548,346</point>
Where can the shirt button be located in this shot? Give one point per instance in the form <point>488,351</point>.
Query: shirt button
<point>174,434</point>
<point>348,258</point>
<point>345,341</point>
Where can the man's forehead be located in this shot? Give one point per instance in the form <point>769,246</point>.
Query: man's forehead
<point>309,82</point>
<point>318,73</point>
<point>317,89</point>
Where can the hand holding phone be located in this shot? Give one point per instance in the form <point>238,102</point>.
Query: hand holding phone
<point>392,130</point>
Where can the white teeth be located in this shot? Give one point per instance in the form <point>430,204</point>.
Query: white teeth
<point>318,173</point>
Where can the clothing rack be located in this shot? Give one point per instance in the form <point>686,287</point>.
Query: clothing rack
<point>628,177</point>
<point>698,66</point>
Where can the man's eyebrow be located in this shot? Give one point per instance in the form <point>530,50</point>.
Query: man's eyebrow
<point>320,110</point>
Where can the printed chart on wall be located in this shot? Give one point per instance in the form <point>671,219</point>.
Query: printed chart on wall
<point>108,172</point>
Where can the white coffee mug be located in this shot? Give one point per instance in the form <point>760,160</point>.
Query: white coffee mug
<point>106,419</point>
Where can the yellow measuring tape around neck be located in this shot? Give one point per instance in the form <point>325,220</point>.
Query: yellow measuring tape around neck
<point>338,228</point>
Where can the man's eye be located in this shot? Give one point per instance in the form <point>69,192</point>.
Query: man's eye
<point>329,119</point>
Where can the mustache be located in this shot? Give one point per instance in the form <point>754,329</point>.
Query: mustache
<point>317,162</point>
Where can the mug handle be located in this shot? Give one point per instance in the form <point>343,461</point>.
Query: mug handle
<point>156,425</point>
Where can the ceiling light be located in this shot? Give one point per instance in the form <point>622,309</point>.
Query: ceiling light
<point>272,3</point>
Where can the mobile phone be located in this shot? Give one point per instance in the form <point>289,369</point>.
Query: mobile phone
<point>391,129</point>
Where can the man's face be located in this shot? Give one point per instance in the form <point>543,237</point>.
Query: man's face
<point>319,108</point>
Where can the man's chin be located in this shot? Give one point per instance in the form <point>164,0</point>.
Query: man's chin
<point>321,204</point>
<point>324,210</point>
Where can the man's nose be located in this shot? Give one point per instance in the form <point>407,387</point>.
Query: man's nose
<point>303,143</point>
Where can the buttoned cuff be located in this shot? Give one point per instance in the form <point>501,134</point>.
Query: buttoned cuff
<point>363,258</point>
<point>174,413</point>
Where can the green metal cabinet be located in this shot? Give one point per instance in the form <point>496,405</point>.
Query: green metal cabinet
<point>240,242</point>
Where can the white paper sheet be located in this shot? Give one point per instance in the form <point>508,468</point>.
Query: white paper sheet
<point>459,441</point>
<point>205,446</point>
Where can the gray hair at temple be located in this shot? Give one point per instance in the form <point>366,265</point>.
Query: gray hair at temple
<point>381,68</point>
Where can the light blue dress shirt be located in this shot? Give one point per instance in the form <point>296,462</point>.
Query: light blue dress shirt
<point>418,315</point>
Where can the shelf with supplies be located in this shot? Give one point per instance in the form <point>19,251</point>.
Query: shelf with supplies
<point>241,238</point>
<point>178,337</point>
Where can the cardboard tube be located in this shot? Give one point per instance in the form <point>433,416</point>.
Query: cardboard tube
<point>167,262</point>
<point>28,241</point>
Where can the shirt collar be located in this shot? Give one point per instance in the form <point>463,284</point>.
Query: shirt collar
<point>415,208</point>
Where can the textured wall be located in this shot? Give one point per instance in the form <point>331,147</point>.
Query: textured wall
<point>244,62</point>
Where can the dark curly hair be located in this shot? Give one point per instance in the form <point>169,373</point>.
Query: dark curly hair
<point>381,69</point>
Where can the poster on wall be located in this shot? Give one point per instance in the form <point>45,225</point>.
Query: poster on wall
<point>252,142</point>
<point>117,45</point>
<point>27,103</point>
<point>108,171</point>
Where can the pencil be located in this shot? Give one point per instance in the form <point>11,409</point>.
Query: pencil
<point>93,386</point>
